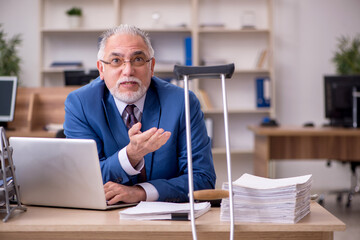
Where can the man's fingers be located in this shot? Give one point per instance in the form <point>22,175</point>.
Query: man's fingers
<point>160,137</point>
<point>114,200</point>
<point>109,195</point>
<point>165,136</point>
<point>135,129</point>
<point>108,185</point>
<point>143,137</point>
<point>157,140</point>
<point>118,192</point>
<point>143,143</point>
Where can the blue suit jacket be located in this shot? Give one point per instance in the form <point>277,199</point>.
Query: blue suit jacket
<point>91,113</point>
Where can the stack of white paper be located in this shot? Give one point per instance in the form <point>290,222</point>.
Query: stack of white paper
<point>258,199</point>
<point>163,211</point>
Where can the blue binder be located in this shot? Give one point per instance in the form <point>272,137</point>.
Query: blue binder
<point>263,98</point>
<point>188,51</point>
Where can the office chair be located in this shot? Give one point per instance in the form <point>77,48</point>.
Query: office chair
<point>60,134</point>
<point>355,182</point>
<point>354,186</point>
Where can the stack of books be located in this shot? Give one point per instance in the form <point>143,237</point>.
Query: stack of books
<point>258,199</point>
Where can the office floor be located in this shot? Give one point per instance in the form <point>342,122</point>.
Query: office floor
<point>350,216</point>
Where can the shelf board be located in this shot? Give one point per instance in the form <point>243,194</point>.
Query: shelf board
<point>59,70</point>
<point>48,70</point>
<point>155,30</point>
<point>73,30</point>
<point>231,30</point>
<point>168,29</point>
<point>235,111</point>
<point>258,70</point>
<point>220,151</point>
<point>170,68</point>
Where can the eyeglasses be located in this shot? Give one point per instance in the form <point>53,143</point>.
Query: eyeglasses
<point>136,61</point>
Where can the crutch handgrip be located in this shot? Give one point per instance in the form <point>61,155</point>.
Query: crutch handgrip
<point>211,194</point>
<point>204,71</point>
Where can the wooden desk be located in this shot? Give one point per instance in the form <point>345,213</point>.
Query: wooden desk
<point>276,143</point>
<point>58,223</point>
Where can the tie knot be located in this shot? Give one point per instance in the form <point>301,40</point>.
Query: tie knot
<point>130,118</point>
<point>130,109</point>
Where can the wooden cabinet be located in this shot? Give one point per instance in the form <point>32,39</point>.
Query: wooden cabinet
<point>36,108</point>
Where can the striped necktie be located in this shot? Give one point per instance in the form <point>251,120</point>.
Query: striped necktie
<point>130,118</point>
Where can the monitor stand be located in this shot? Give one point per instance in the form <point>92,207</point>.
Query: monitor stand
<point>355,96</point>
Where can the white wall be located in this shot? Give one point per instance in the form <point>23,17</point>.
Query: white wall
<point>21,17</point>
<point>305,40</point>
<point>306,35</point>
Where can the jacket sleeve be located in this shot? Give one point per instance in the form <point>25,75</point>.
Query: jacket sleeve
<point>78,125</point>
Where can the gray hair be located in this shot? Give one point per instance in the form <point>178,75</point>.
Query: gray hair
<point>123,29</point>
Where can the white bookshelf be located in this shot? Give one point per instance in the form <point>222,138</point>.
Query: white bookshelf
<point>229,43</point>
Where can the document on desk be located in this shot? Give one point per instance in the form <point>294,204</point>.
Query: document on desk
<point>163,211</point>
<point>257,199</point>
<point>10,187</point>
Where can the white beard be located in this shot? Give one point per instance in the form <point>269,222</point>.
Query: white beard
<point>128,97</point>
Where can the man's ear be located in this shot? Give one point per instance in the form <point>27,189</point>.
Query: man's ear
<point>152,66</point>
<point>100,67</point>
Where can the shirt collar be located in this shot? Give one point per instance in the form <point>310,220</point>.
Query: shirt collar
<point>122,105</point>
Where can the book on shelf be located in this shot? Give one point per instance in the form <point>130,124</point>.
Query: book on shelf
<point>204,99</point>
<point>188,51</point>
<point>212,25</point>
<point>163,211</point>
<point>209,128</point>
<point>262,59</point>
<point>180,83</point>
<point>263,96</point>
<point>66,65</point>
<point>258,199</point>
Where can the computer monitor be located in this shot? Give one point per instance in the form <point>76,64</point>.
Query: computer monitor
<point>8,86</point>
<point>339,100</point>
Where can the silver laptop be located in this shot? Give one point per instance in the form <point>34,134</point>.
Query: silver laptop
<point>59,172</point>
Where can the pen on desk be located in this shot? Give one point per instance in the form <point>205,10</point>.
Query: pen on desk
<point>180,216</point>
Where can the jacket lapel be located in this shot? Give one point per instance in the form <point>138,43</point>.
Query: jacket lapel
<point>115,121</point>
<point>150,118</point>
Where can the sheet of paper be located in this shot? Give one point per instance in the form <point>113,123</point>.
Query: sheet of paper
<point>162,210</point>
<point>255,182</point>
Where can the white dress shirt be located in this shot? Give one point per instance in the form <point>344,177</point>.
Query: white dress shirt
<point>151,193</point>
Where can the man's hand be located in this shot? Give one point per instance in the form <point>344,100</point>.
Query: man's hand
<point>115,192</point>
<point>144,143</point>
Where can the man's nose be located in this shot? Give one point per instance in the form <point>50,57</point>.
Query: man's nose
<point>127,68</point>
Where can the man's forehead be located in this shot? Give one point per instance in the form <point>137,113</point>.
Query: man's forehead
<point>126,44</point>
<point>134,53</point>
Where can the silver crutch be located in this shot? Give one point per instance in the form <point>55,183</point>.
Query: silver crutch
<point>187,73</point>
